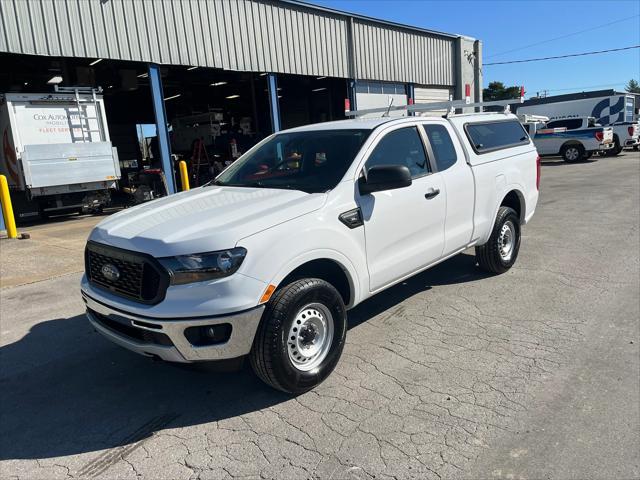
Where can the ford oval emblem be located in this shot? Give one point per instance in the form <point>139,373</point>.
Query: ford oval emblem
<point>110,272</point>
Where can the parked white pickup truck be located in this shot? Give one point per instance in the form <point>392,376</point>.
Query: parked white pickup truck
<point>625,135</point>
<point>266,260</point>
<point>573,139</point>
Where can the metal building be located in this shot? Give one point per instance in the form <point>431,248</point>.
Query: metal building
<point>283,43</point>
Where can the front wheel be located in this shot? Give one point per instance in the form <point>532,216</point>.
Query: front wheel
<point>499,254</point>
<point>300,337</point>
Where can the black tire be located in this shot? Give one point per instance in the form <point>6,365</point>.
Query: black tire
<point>612,152</point>
<point>489,255</point>
<point>269,355</point>
<point>572,153</point>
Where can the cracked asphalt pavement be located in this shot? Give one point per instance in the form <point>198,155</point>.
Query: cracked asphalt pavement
<point>453,374</point>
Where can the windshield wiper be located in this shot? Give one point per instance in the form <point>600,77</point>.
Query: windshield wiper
<point>215,182</point>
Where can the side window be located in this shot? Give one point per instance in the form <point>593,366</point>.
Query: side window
<point>570,124</point>
<point>490,136</point>
<point>401,147</point>
<point>442,146</point>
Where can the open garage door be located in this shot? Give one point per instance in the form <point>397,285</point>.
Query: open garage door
<point>432,95</point>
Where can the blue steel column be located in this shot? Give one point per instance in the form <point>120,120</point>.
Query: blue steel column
<point>411,97</point>
<point>352,94</point>
<point>274,103</point>
<point>157,98</point>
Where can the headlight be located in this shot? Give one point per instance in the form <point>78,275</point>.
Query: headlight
<point>203,266</point>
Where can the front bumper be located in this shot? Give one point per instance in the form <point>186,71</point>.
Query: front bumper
<point>165,338</point>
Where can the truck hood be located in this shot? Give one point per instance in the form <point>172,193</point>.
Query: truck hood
<point>202,220</point>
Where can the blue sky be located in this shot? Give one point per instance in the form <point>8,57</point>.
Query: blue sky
<point>507,25</point>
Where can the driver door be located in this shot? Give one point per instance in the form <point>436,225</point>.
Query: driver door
<point>404,228</point>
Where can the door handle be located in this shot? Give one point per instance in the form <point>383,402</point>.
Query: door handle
<point>432,193</point>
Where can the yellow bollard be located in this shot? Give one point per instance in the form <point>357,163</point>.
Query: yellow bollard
<point>184,175</point>
<point>7,208</point>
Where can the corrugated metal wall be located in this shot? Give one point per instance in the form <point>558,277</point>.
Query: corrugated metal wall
<point>231,34</point>
<point>399,55</point>
<point>249,35</point>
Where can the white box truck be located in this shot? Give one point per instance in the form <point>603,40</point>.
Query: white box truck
<point>56,152</point>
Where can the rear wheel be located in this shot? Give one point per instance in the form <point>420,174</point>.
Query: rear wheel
<point>612,152</point>
<point>300,337</point>
<point>501,251</point>
<point>572,153</point>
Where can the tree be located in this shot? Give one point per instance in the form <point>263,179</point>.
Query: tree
<point>632,86</point>
<point>497,91</point>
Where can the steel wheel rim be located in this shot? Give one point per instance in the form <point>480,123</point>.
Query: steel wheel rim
<point>310,337</point>
<point>506,241</point>
<point>572,153</point>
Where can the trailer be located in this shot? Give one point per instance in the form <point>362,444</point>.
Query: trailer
<point>607,106</point>
<point>56,152</point>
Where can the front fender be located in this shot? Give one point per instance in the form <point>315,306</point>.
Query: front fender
<point>276,252</point>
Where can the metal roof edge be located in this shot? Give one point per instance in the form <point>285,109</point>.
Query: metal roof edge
<point>357,16</point>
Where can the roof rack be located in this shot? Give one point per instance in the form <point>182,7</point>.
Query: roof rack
<point>450,106</point>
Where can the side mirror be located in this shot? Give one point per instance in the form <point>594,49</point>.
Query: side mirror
<point>384,177</point>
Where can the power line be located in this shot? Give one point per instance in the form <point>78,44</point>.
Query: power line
<point>563,56</point>
<point>564,36</point>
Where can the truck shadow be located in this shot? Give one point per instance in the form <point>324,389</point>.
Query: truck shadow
<point>64,390</point>
<point>558,162</point>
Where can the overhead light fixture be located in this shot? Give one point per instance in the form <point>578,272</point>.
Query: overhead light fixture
<point>172,97</point>
<point>110,86</point>
<point>217,84</point>
<point>320,78</point>
<point>191,68</point>
<point>279,96</point>
<point>264,74</point>
<point>55,80</point>
<point>231,97</point>
<point>26,83</point>
<point>95,61</point>
<point>319,89</point>
<point>143,75</point>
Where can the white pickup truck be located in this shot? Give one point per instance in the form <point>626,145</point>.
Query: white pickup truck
<point>625,135</point>
<point>573,139</point>
<point>267,259</point>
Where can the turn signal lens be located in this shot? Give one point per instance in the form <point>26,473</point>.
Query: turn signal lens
<point>267,294</point>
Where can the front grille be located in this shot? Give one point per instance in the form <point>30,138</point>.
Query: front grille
<point>129,331</point>
<point>139,277</point>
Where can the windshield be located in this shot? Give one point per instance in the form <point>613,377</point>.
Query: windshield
<point>312,161</point>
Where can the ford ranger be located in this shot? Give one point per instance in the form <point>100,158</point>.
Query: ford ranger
<point>266,260</point>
